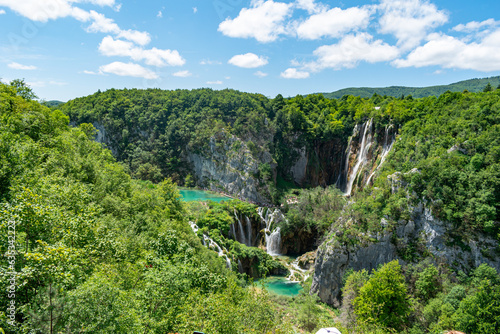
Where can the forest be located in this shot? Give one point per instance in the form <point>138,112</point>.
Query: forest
<point>96,238</point>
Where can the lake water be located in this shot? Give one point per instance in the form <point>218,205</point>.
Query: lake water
<point>281,286</point>
<point>189,195</point>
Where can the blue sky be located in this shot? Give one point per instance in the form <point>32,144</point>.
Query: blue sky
<point>70,48</point>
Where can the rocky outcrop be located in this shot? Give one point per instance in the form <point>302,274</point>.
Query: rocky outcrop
<point>435,237</point>
<point>230,166</point>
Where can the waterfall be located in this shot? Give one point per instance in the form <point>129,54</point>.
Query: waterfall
<point>240,267</point>
<point>211,244</point>
<point>295,268</point>
<point>249,231</point>
<point>366,142</point>
<point>272,237</point>
<point>385,150</point>
<point>242,238</point>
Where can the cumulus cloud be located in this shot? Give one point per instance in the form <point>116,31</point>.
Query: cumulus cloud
<point>293,73</point>
<point>18,66</point>
<point>410,20</point>
<point>334,22</point>
<point>159,15</point>
<point>106,25</point>
<point>182,74</point>
<point>128,70</point>
<point>311,6</point>
<point>218,82</point>
<point>260,74</point>
<point>351,50</point>
<point>156,57</point>
<point>451,52</point>
<point>2,11</point>
<point>264,21</point>
<point>475,26</point>
<point>248,60</point>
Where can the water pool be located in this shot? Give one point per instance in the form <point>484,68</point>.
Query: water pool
<point>190,195</point>
<point>281,286</point>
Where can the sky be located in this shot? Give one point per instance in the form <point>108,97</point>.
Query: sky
<point>71,48</point>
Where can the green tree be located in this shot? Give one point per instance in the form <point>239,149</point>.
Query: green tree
<point>23,89</point>
<point>487,88</point>
<point>383,299</point>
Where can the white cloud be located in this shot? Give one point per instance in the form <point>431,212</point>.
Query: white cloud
<point>18,66</point>
<point>450,52</point>
<point>351,50</point>
<point>39,10</point>
<point>260,74</point>
<point>248,60</point>
<point>264,21</point>
<point>35,84</point>
<point>293,73</point>
<point>101,3</point>
<point>195,10</point>
<point>156,57</point>
<point>218,82</point>
<point>2,11</point>
<point>159,15</point>
<point>410,20</point>
<point>310,6</point>
<point>210,62</point>
<point>117,8</point>
<point>106,25</point>
<point>474,25</point>
<point>182,74</point>
<point>89,72</point>
<point>334,22</point>
<point>128,69</point>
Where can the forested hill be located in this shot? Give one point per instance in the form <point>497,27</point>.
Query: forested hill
<point>472,85</point>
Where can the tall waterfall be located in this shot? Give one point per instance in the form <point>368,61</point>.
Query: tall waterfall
<point>388,143</point>
<point>244,234</point>
<point>211,244</point>
<point>272,236</point>
<point>366,142</point>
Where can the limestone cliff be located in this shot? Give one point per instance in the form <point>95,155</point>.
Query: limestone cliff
<point>423,233</point>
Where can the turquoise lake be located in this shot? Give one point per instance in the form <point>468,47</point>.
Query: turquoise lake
<point>189,195</point>
<point>281,286</point>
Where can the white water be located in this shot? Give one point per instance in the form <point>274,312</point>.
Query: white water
<point>242,238</point>
<point>249,231</point>
<point>295,268</point>
<point>272,237</point>
<point>211,244</point>
<point>385,150</point>
<point>366,142</point>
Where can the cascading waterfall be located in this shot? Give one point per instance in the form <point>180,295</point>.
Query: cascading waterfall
<point>366,142</point>
<point>385,149</point>
<point>210,243</point>
<point>273,238</point>
<point>242,238</point>
<point>240,267</point>
<point>295,268</point>
<point>249,231</point>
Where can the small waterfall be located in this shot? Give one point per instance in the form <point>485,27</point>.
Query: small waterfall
<point>242,238</point>
<point>385,149</point>
<point>366,142</point>
<point>249,231</point>
<point>211,244</point>
<point>272,237</point>
<point>240,267</point>
<point>295,268</point>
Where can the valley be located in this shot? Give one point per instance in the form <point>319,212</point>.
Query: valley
<point>170,211</point>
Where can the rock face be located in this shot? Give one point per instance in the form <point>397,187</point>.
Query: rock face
<point>229,165</point>
<point>435,236</point>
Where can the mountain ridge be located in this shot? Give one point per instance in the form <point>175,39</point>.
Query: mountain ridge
<point>472,85</point>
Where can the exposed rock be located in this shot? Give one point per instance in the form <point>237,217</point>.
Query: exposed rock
<point>434,235</point>
<point>231,169</point>
<point>306,261</point>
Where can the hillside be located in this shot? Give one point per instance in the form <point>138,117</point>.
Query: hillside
<point>385,209</point>
<point>472,85</point>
